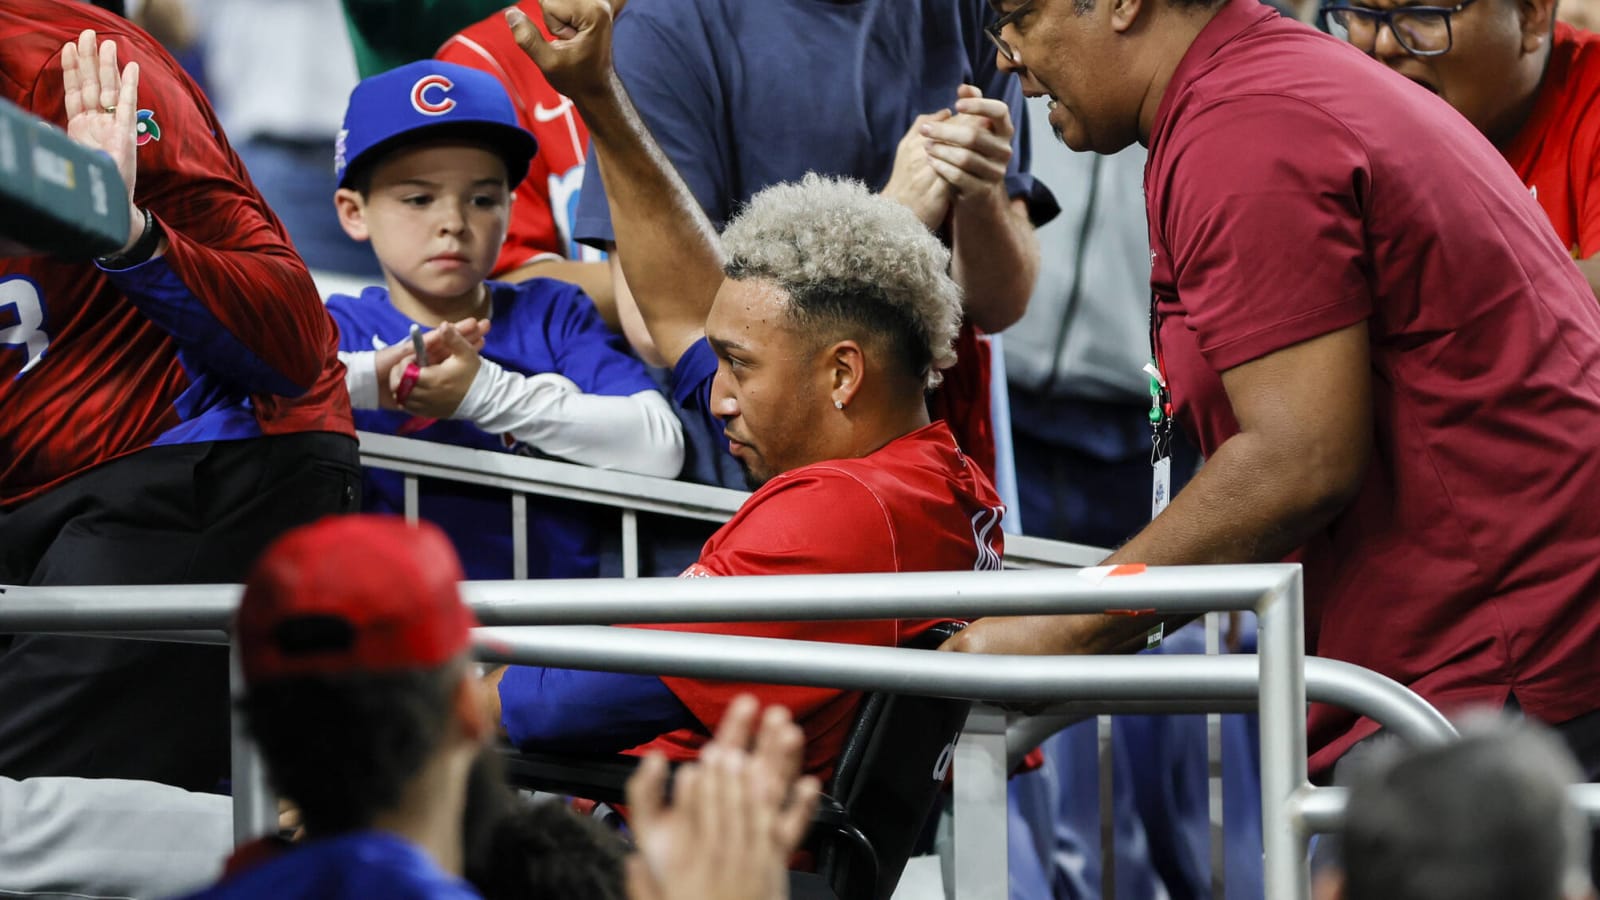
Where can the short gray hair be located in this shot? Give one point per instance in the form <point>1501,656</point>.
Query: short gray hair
<point>1484,818</point>
<point>845,256</point>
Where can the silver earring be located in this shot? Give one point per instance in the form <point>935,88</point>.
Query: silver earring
<point>838,404</point>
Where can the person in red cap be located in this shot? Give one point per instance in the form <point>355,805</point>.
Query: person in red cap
<point>362,698</point>
<point>361,694</point>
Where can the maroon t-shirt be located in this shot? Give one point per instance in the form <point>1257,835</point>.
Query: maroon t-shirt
<point>1294,188</point>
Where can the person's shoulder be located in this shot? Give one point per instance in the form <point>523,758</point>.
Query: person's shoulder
<point>661,12</point>
<point>1581,78</point>
<point>371,299</point>
<point>34,31</point>
<point>829,487</point>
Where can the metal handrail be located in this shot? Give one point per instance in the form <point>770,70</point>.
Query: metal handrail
<point>1175,589</point>
<point>1272,590</point>
<point>627,492</point>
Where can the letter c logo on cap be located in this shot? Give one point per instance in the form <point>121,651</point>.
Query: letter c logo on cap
<point>440,85</point>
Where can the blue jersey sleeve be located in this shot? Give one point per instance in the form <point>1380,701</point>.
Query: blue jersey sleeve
<point>566,710</point>
<point>691,381</point>
<point>205,345</point>
<point>586,351</point>
<point>665,59</point>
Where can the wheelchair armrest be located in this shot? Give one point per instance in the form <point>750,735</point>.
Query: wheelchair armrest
<point>602,777</point>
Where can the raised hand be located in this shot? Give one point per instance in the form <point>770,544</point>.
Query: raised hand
<point>103,109</point>
<point>971,150</point>
<point>914,183</point>
<point>576,60</point>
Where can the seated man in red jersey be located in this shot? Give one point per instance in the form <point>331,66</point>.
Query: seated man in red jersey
<point>1531,84</point>
<point>810,332</point>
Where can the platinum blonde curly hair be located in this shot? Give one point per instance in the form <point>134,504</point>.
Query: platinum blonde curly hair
<point>847,257</point>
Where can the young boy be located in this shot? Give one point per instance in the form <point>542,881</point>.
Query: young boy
<point>427,161</point>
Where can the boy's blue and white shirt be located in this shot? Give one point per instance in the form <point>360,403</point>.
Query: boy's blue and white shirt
<point>540,327</point>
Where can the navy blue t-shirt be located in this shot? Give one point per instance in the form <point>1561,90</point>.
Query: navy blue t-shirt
<point>538,326</point>
<point>742,95</point>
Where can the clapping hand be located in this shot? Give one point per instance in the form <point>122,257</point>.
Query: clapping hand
<point>736,815</point>
<point>914,183</point>
<point>971,150</point>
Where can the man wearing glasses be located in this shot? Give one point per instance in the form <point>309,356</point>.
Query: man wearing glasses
<point>1529,83</point>
<point>1363,319</point>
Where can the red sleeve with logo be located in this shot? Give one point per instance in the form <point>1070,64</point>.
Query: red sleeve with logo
<point>108,380</point>
<point>541,216</point>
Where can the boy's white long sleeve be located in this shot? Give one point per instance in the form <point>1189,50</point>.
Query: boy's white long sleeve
<point>638,433</point>
<point>361,377</point>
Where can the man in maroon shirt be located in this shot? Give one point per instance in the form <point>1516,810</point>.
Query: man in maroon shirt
<point>164,412</point>
<point>1392,368</point>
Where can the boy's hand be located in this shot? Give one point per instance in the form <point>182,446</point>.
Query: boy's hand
<point>391,361</point>
<point>577,60</point>
<point>445,380</point>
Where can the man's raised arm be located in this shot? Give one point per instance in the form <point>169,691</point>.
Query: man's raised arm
<point>671,256</point>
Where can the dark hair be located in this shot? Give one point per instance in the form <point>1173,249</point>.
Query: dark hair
<point>1485,818</point>
<point>342,748</point>
<point>544,849</point>
<point>833,307</point>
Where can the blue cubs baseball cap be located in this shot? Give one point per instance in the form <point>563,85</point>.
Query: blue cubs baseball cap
<point>416,100</point>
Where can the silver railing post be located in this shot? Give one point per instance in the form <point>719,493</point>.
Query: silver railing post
<point>1214,773</point>
<point>1281,652</point>
<point>519,535</point>
<point>630,544</point>
<point>410,503</point>
<point>255,807</point>
<point>980,806</point>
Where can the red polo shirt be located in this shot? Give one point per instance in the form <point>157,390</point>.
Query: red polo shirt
<point>1295,188</point>
<point>1557,152</point>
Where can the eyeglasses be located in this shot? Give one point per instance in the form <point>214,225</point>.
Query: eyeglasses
<point>1420,30</point>
<point>993,29</point>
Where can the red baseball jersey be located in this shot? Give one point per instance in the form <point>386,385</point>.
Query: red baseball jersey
<point>1557,153</point>
<point>541,216</point>
<point>916,505</point>
<point>223,337</point>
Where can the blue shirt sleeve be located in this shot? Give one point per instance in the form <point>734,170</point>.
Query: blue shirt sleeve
<point>205,345</point>
<point>585,350</point>
<point>571,711</point>
<point>666,61</point>
<point>691,381</point>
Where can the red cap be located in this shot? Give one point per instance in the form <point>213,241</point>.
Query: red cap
<point>352,594</point>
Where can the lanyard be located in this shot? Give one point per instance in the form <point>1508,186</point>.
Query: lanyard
<point>1160,420</point>
<point>1160,397</point>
